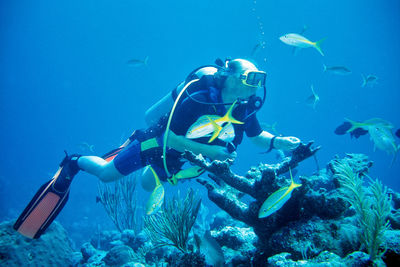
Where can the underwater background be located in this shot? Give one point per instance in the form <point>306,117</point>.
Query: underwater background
<point>65,81</point>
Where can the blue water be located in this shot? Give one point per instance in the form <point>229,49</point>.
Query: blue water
<point>64,80</point>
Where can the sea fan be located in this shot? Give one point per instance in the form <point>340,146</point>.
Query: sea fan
<point>372,206</point>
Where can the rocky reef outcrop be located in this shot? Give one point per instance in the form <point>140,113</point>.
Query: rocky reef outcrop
<point>317,226</point>
<point>315,219</point>
<point>53,248</point>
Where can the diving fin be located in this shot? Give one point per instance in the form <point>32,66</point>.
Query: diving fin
<point>48,200</point>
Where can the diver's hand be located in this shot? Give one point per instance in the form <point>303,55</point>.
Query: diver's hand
<point>220,153</point>
<point>286,142</point>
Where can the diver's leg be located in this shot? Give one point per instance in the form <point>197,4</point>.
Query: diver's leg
<point>147,180</point>
<point>104,170</point>
<point>126,162</point>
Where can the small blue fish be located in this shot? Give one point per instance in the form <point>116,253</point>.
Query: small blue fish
<point>211,249</point>
<point>374,122</point>
<point>84,146</point>
<point>313,99</point>
<point>269,127</point>
<point>369,80</point>
<point>257,47</point>
<point>383,139</point>
<point>381,134</point>
<point>338,70</point>
<point>138,62</point>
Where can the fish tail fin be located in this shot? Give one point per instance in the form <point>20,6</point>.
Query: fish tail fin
<point>228,116</point>
<point>305,27</point>
<point>324,67</point>
<point>157,180</point>
<point>146,60</point>
<point>354,125</point>
<point>364,82</point>
<point>318,46</point>
<point>395,156</point>
<point>293,184</point>
<point>273,127</point>
<point>217,129</point>
<point>233,120</point>
<point>291,176</point>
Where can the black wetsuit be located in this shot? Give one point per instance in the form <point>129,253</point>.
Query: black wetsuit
<point>206,90</point>
<point>187,111</point>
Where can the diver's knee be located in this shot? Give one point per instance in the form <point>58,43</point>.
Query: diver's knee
<point>147,180</point>
<point>109,173</point>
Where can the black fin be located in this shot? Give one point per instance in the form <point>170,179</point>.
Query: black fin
<point>48,201</point>
<point>219,62</point>
<point>345,126</point>
<point>358,132</point>
<point>342,129</point>
<point>41,210</point>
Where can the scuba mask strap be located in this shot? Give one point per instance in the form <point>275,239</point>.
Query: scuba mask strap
<point>258,103</point>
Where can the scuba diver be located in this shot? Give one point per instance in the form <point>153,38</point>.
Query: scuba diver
<point>206,114</point>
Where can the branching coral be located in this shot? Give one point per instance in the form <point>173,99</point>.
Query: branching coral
<point>119,201</point>
<point>172,226</point>
<point>258,185</point>
<point>372,208</point>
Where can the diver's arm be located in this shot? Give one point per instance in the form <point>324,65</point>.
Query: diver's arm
<point>265,138</point>
<point>181,143</point>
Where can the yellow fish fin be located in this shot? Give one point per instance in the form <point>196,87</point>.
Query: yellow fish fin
<point>355,125</point>
<point>155,176</point>
<point>189,173</point>
<point>317,46</point>
<point>228,116</point>
<point>293,185</point>
<point>217,129</point>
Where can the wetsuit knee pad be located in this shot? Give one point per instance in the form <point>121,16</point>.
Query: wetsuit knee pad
<point>129,159</point>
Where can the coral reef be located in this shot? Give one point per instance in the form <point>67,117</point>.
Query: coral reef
<point>191,259</point>
<point>119,255</point>
<point>258,184</point>
<point>17,250</point>
<point>119,201</point>
<point>317,218</point>
<point>318,226</point>
<point>172,226</point>
<point>325,258</point>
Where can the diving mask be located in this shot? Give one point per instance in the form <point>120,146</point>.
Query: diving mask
<point>253,78</point>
